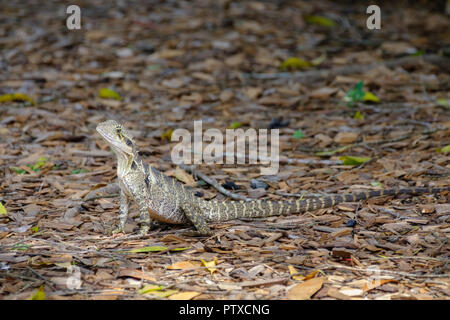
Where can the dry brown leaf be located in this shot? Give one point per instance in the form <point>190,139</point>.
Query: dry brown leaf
<point>183,265</point>
<point>346,137</point>
<point>305,290</point>
<point>186,295</point>
<point>375,283</point>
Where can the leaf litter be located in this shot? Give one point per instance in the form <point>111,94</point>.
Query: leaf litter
<point>379,126</point>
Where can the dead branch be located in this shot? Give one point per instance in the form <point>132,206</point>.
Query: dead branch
<point>213,183</point>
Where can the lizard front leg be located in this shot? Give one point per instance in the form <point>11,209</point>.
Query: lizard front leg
<point>140,196</point>
<point>195,215</point>
<point>123,211</point>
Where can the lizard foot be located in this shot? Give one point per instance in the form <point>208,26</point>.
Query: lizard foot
<point>118,230</point>
<point>144,230</point>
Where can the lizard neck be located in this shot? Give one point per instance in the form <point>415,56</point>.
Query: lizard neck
<point>124,162</point>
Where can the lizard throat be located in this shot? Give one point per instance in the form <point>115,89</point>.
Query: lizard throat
<point>124,162</point>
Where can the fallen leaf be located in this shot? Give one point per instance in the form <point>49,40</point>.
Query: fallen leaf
<point>294,64</point>
<point>294,273</point>
<point>186,295</point>
<point>323,93</point>
<point>369,96</point>
<point>182,265</point>
<point>358,115</point>
<point>253,92</point>
<point>346,137</point>
<point>443,103</point>
<point>39,294</point>
<point>351,292</point>
<point>320,20</point>
<point>3,211</point>
<point>185,177</point>
<point>149,288</point>
<point>210,265</point>
<point>445,149</point>
<point>9,97</point>
<point>154,249</point>
<point>353,161</point>
<point>235,125</point>
<point>106,93</point>
<point>164,293</point>
<point>167,134</point>
<point>305,290</point>
<point>298,134</point>
<point>137,274</point>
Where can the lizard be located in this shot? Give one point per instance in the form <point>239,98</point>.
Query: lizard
<point>164,199</point>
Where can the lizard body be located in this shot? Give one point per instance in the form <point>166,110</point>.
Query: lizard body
<point>164,199</point>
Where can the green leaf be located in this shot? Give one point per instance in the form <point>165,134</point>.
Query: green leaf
<point>180,249</point>
<point>18,170</point>
<point>149,288</point>
<point>35,229</point>
<point>164,294</point>
<point>418,53</point>
<point>157,290</point>
<point>369,96</point>
<point>155,249</point>
<point>167,135</point>
<point>235,125</point>
<point>320,20</point>
<point>319,60</point>
<point>16,97</point>
<point>106,93</point>
<point>355,95</point>
<point>39,164</point>
<point>353,161</point>
<point>376,184</point>
<point>77,171</point>
<point>154,67</point>
<point>3,211</point>
<point>298,134</point>
<point>39,294</point>
<point>445,149</point>
<point>210,265</point>
<point>294,64</point>
<point>443,103</point>
<point>358,116</point>
<point>20,246</point>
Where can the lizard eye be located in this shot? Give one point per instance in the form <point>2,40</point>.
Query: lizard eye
<point>128,142</point>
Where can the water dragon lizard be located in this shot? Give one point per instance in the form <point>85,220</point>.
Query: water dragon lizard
<point>164,199</point>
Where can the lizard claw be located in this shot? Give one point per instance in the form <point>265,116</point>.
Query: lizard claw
<point>118,230</point>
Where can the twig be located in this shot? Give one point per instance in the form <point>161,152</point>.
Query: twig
<point>213,183</point>
<point>50,283</point>
<point>398,273</point>
<point>111,190</point>
<point>314,75</point>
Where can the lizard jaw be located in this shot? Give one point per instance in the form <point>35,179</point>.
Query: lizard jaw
<point>116,144</point>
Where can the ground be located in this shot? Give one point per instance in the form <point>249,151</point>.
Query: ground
<point>314,70</point>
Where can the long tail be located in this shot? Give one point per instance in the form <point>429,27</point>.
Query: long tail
<point>227,210</point>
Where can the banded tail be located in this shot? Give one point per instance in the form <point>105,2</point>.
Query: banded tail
<point>216,211</point>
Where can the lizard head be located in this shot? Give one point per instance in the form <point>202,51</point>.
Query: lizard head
<point>117,137</point>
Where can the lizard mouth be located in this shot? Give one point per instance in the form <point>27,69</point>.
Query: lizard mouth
<point>117,145</point>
